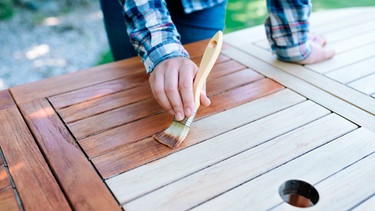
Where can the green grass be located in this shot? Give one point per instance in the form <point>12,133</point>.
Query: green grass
<point>247,13</point>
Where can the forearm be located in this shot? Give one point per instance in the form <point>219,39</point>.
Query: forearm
<point>287,29</point>
<point>152,32</point>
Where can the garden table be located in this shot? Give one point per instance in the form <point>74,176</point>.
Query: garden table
<point>276,136</point>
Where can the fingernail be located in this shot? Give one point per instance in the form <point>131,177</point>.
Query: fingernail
<point>188,112</point>
<point>179,116</point>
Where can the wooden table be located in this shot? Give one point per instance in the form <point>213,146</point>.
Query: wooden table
<point>83,141</point>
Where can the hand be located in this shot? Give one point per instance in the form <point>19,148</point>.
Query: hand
<point>171,83</point>
<point>318,52</point>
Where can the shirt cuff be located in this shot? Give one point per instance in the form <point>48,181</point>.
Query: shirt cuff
<point>163,52</point>
<point>294,53</point>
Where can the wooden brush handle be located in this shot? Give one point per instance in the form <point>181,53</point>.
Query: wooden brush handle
<point>208,60</point>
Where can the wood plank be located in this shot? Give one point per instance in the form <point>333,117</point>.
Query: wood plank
<point>79,180</point>
<point>6,99</point>
<point>354,182</point>
<point>35,183</point>
<point>117,117</point>
<point>100,105</point>
<point>221,177</point>
<point>365,85</point>
<point>98,90</point>
<point>353,72</point>
<point>140,181</point>
<point>76,80</point>
<point>136,130</point>
<point>313,167</point>
<point>225,68</point>
<point>8,201</point>
<point>4,179</point>
<point>343,59</point>
<point>143,151</point>
<point>321,90</point>
<point>367,205</point>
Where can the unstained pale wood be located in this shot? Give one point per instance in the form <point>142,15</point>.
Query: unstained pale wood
<point>206,184</point>
<point>261,193</point>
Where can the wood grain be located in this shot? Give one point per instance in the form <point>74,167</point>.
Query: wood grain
<point>140,181</point>
<point>4,179</point>
<point>79,180</point>
<point>98,90</point>
<point>76,80</point>
<point>146,150</point>
<point>35,182</point>
<point>8,200</point>
<point>100,105</point>
<point>312,167</point>
<point>105,121</point>
<point>223,176</point>
<point>6,99</point>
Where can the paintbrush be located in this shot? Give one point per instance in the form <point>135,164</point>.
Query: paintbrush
<point>176,133</point>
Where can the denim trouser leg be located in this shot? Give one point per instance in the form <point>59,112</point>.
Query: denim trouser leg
<point>192,27</point>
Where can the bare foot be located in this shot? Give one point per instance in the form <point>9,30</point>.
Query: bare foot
<point>318,52</point>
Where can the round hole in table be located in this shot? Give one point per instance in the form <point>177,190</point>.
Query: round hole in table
<point>299,193</point>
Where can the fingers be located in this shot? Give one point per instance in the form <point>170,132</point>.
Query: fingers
<point>171,83</point>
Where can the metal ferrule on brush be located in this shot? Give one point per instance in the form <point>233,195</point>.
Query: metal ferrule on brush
<point>188,120</point>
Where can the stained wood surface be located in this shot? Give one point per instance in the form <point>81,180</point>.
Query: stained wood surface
<point>34,181</point>
<point>66,159</point>
<point>84,140</point>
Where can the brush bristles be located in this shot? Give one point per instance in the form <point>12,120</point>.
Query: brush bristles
<point>175,134</point>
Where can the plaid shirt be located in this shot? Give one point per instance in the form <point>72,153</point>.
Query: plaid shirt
<point>155,37</point>
<point>287,28</point>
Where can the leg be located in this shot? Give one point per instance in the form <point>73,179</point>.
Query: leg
<point>119,43</point>
<point>197,25</point>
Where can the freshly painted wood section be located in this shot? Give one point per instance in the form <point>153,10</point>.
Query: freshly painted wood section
<point>32,176</point>
<point>8,200</point>
<point>73,171</point>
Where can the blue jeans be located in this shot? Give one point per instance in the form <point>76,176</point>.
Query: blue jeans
<point>192,27</point>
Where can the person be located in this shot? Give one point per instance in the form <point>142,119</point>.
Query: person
<point>157,30</point>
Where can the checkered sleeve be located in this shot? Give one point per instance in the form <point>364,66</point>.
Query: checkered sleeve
<point>287,29</point>
<point>152,32</point>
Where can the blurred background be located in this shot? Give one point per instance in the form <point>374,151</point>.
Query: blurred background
<point>45,38</point>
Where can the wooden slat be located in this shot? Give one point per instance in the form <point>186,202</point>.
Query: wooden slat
<point>365,85</point>
<point>33,179</point>
<point>136,154</point>
<point>117,117</point>
<point>103,104</point>
<point>367,205</point>
<point>6,99</point>
<point>343,59</point>
<point>216,179</point>
<point>353,72</point>
<point>225,68</point>
<point>262,192</point>
<point>4,179</point>
<point>357,178</point>
<point>137,131</point>
<point>140,181</point>
<point>76,80</point>
<point>8,201</point>
<point>312,85</point>
<point>98,90</point>
<point>79,180</point>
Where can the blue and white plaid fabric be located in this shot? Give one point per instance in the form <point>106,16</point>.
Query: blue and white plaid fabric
<point>287,28</point>
<point>155,37</point>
